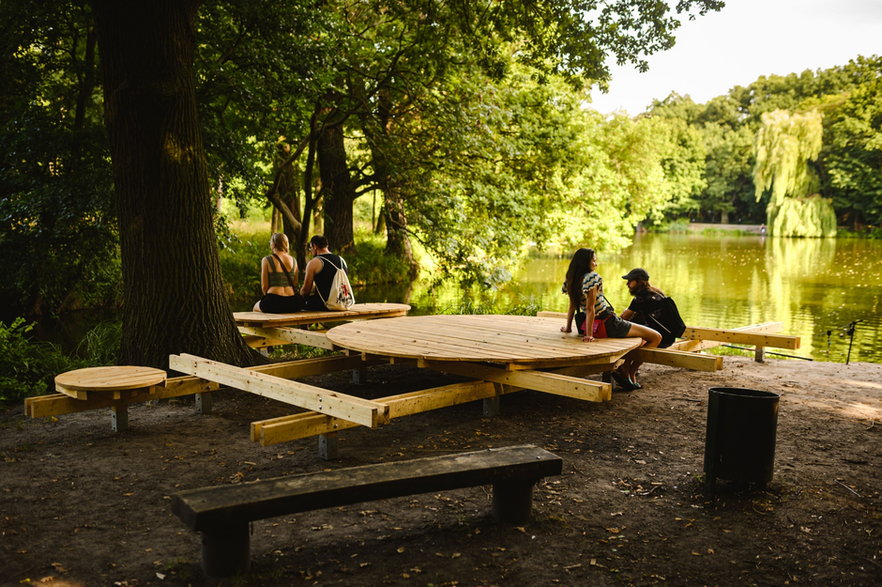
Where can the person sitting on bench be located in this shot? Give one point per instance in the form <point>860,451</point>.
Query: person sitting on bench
<point>320,273</point>
<point>278,279</point>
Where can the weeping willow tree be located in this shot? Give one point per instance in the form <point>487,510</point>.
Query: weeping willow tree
<point>785,145</point>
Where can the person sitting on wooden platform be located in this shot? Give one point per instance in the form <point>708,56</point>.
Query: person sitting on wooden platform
<point>278,279</point>
<point>651,307</point>
<point>584,287</point>
<point>325,284</point>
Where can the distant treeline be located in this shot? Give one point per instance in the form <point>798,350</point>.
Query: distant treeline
<point>723,134</point>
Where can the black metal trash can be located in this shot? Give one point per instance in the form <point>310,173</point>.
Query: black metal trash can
<point>740,441</point>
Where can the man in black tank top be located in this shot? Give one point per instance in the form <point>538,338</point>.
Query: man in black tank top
<point>319,274</point>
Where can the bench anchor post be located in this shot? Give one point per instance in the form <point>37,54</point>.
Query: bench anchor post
<point>203,403</point>
<point>492,406</point>
<point>759,354</point>
<point>225,551</point>
<point>328,446</point>
<point>119,418</point>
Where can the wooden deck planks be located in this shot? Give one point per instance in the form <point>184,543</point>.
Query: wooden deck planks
<point>494,338</point>
<point>113,379</point>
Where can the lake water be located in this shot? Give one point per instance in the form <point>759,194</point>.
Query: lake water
<point>815,287</point>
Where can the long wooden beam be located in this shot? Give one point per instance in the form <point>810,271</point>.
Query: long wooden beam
<point>780,341</point>
<point>699,345</point>
<point>310,397</point>
<point>307,424</point>
<point>58,404</point>
<point>703,338</point>
<point>554,383</point>
<point>684,359</point>
<point>316,366</point>
<point>283,335</point>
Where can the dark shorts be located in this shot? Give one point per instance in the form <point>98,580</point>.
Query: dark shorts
<point>314,303</point>
<point>616,327</point>
<point>276,304</point>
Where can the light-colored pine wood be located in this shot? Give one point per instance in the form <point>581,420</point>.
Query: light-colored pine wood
<point>110,378</point>
<point>59,404</point>
<point>760,335</point>
<point>307,424</point>
<point>554,383</point>
<point>283,335</point>
<point>474,338</point>
<point>357,312</point>
<point>115,380</point>
<point>762,339</point>
<point>310,397</point>
<point>699,345</point>
<point>258,342</point>
<point>549,314</point>
<point>683,359</point>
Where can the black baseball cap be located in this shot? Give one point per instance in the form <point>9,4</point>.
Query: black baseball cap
<point>638,274</point>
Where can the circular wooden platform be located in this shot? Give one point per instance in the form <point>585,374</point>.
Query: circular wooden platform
<point>493,338</point>
<point>113,378</point>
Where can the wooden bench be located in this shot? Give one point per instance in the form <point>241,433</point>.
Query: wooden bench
<point>222,513</point>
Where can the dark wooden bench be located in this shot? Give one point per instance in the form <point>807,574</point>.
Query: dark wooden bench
<point>222,513</point>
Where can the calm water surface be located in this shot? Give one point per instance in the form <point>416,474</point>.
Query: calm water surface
<point>815,287</point>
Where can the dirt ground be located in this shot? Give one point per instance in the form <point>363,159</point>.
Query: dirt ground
<point>80,505</point>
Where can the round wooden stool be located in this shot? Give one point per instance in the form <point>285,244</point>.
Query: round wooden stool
<point>119,380</point>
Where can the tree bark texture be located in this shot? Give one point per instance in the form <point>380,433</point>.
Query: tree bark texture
<point>337,189</point>
<point>376,129</point>
<point>173,294</point>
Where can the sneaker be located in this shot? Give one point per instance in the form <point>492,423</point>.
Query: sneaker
<point>624,384</point>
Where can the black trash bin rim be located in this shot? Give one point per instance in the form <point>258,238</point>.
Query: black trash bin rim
<point>744,392</point>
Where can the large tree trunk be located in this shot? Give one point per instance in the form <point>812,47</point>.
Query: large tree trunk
<point>397,241</point>
<point>173,296</point>
<point>376,130</point>
<point>337,189</point>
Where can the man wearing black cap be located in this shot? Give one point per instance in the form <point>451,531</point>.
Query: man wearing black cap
<point>651,307</point>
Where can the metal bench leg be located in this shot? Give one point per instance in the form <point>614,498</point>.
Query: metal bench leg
<point>328,446</point>
<point>492,405</point>
<point>119,418</point>
<point>359,376</point>
<point>225,551</point>
<point>203,403</point>
<point>512,501</point>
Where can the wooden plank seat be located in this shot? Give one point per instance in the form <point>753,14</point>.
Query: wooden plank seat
<point>223,513</point>
<point>367,311</point>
